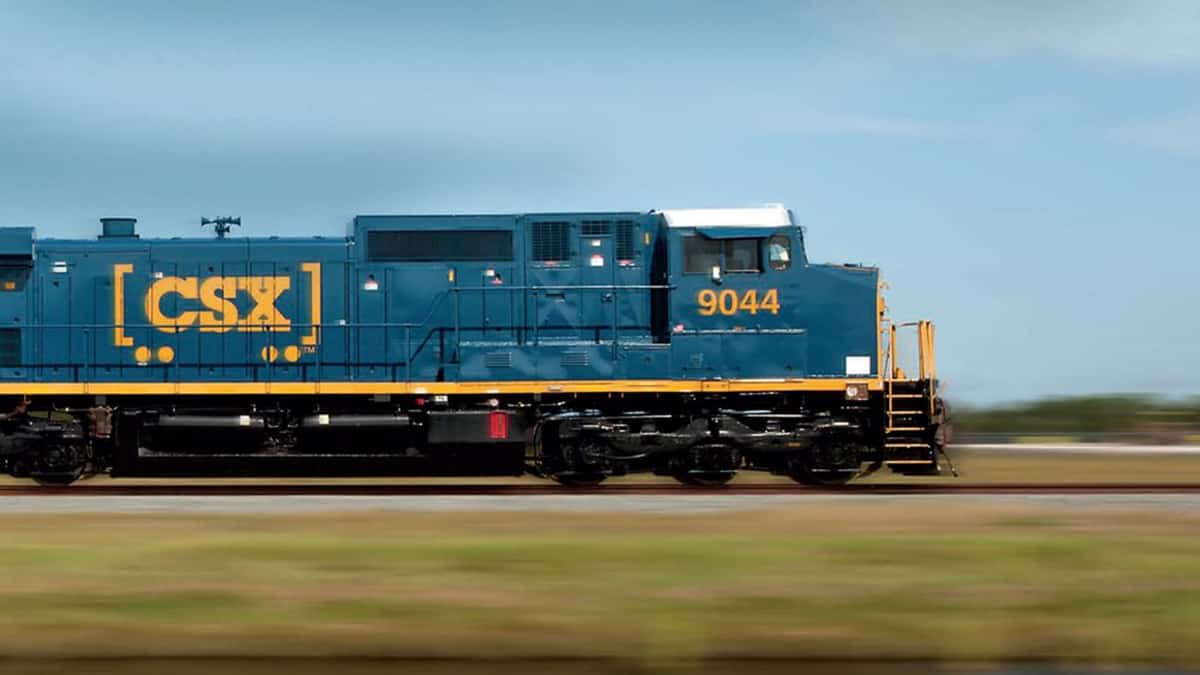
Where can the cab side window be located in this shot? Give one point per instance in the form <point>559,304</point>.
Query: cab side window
<point>700,255</point>
<point>779,252</point>
<point>734,256</point>
<point>743,255</point>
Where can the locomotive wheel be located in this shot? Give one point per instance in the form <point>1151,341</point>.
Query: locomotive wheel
<point>714,479</point>
<point>805,473</point>
<point>708,464</point>
<point>834,461</point>
<point>573,479</point>
<point>55,479</point>
<point>806,476</point>
<point>59,465</point>
<point>581,465</point>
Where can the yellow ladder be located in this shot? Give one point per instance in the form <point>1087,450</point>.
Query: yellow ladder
<point>911,401</point>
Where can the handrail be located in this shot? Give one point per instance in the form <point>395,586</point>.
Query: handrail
<point>926,358</point>
<point>926,364</point>
<point>567,287</point>
<point>932,353</point>
<point>83,352</point>
<point>266,338</point>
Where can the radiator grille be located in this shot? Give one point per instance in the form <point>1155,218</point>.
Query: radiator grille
<point>551,242</point>
<point>596,228</point>
<point>626,248</point>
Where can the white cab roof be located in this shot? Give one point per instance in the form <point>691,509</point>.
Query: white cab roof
<point>774,215</point>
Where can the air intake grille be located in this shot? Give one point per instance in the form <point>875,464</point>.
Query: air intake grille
<point>575,357</point>
<point>626,248</point>
<point>551,242</point>
<point>498,359</point>
<point>596,228</point>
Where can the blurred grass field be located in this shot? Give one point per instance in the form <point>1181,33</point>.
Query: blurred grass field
<point>1018,466</point>
<point>914,580</point>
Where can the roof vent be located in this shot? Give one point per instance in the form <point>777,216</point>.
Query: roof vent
<point>118,228</point>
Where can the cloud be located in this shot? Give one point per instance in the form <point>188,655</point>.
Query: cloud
<point>883,126</point>
<point>1180,134</point>
<point>1153,33</point>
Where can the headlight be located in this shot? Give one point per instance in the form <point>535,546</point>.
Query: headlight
<point>857,392</point>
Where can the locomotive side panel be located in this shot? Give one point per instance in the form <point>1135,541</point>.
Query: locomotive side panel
<point>185,311</point>
<point>436,291</point>
<point>553,297</point>
<point>840,305</point>
<point>16,278</point>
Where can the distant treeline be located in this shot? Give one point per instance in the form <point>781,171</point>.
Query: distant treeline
<point>1086,414</point>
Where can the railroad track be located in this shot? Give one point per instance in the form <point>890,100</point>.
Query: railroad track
<point>435,490</point>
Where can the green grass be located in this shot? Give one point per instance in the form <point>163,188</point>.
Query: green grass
<point>858,581</point>
<point>999,466</point>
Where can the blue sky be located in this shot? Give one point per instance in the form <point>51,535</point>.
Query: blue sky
<point>1025,173</point>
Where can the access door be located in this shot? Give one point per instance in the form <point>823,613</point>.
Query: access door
<point>729,311</point>
<point>597,281</point>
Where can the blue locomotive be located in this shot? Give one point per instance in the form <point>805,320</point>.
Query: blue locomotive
<point>690,343</point>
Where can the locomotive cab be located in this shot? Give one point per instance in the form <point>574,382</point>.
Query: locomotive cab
<point>746,303</point>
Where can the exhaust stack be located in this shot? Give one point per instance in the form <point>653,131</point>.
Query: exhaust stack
<point>118,228</point>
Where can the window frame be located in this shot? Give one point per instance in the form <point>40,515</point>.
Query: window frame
<point>726,244</point>
<point>450,235</point>
<point>701,238</point>
<point>723,246</point>
<point>787,245</point>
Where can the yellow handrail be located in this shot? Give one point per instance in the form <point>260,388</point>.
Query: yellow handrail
<point>893,362</point>
<point>922,364</point>
<point>932,354</point>
<point>928,363</point>
<point>926,358</point>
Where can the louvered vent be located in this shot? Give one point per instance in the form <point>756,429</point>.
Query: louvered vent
<point>551,242</point>
<point>626,248</point>
<point>498,359</point>
<point>575,357</point>
<point>596,228</point>
<point>10,347</point>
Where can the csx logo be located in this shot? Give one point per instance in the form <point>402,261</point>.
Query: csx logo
<point>216,295</point>
<point>218,304</point>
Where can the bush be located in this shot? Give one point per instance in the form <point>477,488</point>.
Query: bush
<point>1088,414</point>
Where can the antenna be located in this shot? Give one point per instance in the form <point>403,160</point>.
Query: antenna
<point>221,225</point>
